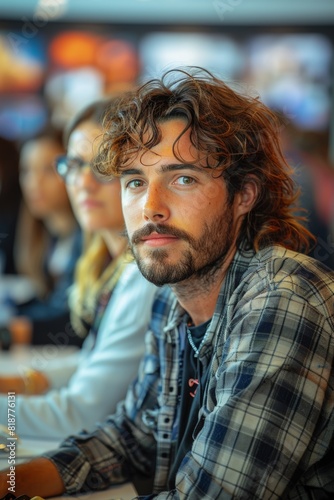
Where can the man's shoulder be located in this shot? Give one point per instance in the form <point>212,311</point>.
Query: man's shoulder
<point>279,269</point>
<point>280,261</point>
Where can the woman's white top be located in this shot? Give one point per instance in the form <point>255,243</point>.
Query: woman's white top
<point>87,385</point>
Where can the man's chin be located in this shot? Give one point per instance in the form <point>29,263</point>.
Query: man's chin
<point>152,257</point>
<point>152,275</point>
<point>163,273</point>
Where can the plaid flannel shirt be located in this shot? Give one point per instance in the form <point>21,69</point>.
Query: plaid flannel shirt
<point>265,430</point>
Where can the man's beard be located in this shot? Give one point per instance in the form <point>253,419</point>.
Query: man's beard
<point>201,260</point>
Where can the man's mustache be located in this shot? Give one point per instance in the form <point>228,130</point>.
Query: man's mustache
<point>160,229</point>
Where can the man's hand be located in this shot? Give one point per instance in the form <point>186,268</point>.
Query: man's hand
<point>37,477</point>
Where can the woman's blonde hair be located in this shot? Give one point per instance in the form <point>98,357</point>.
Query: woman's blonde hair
<point>96,274</point>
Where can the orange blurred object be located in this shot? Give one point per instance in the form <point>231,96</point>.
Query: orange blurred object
<point>118,61</point>
<point>74,49</point>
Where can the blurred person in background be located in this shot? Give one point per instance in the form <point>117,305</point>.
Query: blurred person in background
<point>110,305</point>
<point>10,198</point>
<point>307,152</point>
<point>47,244</point>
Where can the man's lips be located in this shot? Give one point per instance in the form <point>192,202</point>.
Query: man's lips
<point>156,240</point>
<point>159,235</point>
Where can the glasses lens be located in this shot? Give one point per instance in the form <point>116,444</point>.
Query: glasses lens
<point>68,168</point>
<point>62,166</point>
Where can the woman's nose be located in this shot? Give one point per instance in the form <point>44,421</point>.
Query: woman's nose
<point>86,179</point>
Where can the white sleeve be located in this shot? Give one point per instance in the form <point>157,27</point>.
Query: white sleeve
<point>101,379</point>
<point>59,365</point>
<point>59,369</point>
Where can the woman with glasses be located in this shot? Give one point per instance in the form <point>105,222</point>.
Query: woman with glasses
<point>110,305</point>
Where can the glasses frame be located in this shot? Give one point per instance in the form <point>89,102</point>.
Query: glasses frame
<point>74,165</point>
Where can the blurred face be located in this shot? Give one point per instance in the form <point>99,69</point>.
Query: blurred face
<point>97,205</point>
<point>43,190</point>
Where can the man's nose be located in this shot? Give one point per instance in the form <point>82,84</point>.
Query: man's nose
<point>155,206</point>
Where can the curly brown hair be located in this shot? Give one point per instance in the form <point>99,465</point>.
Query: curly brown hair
<point>237,135</point>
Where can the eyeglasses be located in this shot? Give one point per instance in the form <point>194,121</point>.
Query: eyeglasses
<point>69,169</point>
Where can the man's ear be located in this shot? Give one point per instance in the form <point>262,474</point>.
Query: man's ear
<point>247,197</point>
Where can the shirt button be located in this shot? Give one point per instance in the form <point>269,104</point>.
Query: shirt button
<point>171,389</point>
<point>165,436</point>
<point>167,419</point>
<point>164,455</point>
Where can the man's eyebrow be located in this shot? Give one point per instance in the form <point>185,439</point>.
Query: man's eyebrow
<point>168,167</point>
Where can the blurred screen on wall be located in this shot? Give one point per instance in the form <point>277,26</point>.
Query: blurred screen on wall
<point>53,74</point>
<point>292,74</point>
<point>63,67</point>
<point>22,62</point>
<point>220,54</point>
<point>22,74</point>
<point>85,66</point>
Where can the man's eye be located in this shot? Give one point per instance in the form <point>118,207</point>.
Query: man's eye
<point>185,180</point>
<point>135,183</point>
